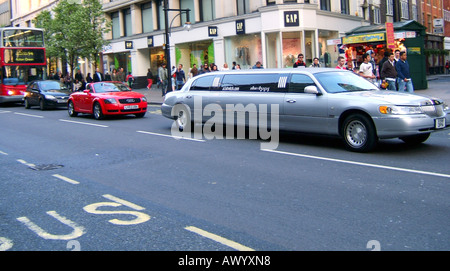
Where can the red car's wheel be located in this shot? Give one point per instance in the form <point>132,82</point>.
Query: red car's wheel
<point>98,114</point>
<point>71,109</point>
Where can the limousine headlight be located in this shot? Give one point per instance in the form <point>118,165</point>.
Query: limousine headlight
<point>400,110</point>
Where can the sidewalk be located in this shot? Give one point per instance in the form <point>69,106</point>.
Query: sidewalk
<point>437,87</point>
<point>154,95</point>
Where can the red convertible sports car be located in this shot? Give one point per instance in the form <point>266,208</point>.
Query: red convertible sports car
<point>107,98</point>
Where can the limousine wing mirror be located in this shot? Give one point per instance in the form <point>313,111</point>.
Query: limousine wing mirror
<point>312,90</point>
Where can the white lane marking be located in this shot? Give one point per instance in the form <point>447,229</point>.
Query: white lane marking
<point>77,230</point>
<point>4,112</point>
<point>29,115</point>
<point>218,239</point>
<point>84,123</point>
<point>5,244</point>
<point>3,153</point>
<point>140,217</point>
<point>360,163</point>
<point>171,136</point>
<point>124,202</point>
<point>63,178</point>
<point>26,163</point>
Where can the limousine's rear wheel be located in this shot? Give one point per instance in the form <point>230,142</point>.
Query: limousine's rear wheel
<point>359,133</point>
<point>182,117</point>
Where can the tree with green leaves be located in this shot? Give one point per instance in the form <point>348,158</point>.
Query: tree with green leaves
<point>74,30</point>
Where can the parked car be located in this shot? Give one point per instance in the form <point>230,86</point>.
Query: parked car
<point>320,100</point>
<point>46,94</point>
<point>107,98</point>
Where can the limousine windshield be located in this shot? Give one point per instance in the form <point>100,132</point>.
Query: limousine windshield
<point>338,82</point>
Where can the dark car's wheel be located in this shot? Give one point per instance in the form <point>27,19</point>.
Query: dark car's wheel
<point>415,139</point>
<point>98,114</point>
<point>27,104</point>
<point>71,110</point>
<point>359,133</point>
<point>42,104</point>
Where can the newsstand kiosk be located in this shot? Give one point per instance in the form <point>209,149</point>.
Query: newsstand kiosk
<point>409,37</point>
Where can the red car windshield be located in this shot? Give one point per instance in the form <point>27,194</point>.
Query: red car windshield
<point>110,87</point>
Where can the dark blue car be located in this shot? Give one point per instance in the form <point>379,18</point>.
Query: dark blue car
<point>46,94</point>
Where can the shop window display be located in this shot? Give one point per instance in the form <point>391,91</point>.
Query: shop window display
<point>244,50</point>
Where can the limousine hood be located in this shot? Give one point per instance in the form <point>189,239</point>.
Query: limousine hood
<point>391,97</point>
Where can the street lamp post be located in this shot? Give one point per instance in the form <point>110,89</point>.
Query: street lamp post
<point>167,37</point>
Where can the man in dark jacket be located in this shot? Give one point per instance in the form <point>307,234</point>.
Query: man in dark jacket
<point>389,73</point>
<point>98,76</point>
<point>300,62</point>
<point>180,77</point>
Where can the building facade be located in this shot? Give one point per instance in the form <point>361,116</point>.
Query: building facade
<point>446,10</point>
<point>5,13</point>
<point>224,31</point>
<point>273,32</point>
<point>433,20</point>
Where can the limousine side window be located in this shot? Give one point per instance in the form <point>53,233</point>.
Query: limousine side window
<point>263,82</point>
<point>299,82</point>
<point>205,83</point>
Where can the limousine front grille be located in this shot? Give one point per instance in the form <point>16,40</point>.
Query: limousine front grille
<point>130,101</point>
<point>433,110</point>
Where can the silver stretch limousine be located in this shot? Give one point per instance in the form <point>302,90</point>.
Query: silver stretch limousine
<point>323,101</point>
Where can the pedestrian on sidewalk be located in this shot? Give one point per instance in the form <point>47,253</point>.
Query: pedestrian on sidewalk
<point>130,80</point>
<point>114,76</point>
<point>180,77</point>
<point>447,67</point>
<point>300,62</point>
<point>121,75</point>
<point>403,74</point>
<point>366,68</point>
<point>194,71</point>
<point>163,78</point>
<point>149,79</point>
<point>388,72</point>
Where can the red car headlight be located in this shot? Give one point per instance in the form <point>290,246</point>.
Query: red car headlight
<point>110,101</point>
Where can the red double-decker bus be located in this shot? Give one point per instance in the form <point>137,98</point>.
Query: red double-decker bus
<point>22,60</point>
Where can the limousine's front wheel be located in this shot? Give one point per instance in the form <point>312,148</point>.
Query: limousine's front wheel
<point>359,133</point>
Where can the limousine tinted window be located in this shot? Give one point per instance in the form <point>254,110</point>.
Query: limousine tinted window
<point>336,82</point>
<point>299,82</point>
<point>205,83</point>
<point>263,82</point>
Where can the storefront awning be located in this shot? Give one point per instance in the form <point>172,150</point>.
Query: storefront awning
<point>377,33</point>
<point>370,37</point>
<point>398,26</point>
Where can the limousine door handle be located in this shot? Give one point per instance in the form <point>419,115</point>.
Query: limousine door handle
<point>189,96</point>
<point>291,101</point>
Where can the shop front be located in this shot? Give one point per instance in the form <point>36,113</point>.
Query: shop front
<point>409,37</point>
<point>300,32</point>
<point>198,53</point>
<point>245,50</point>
